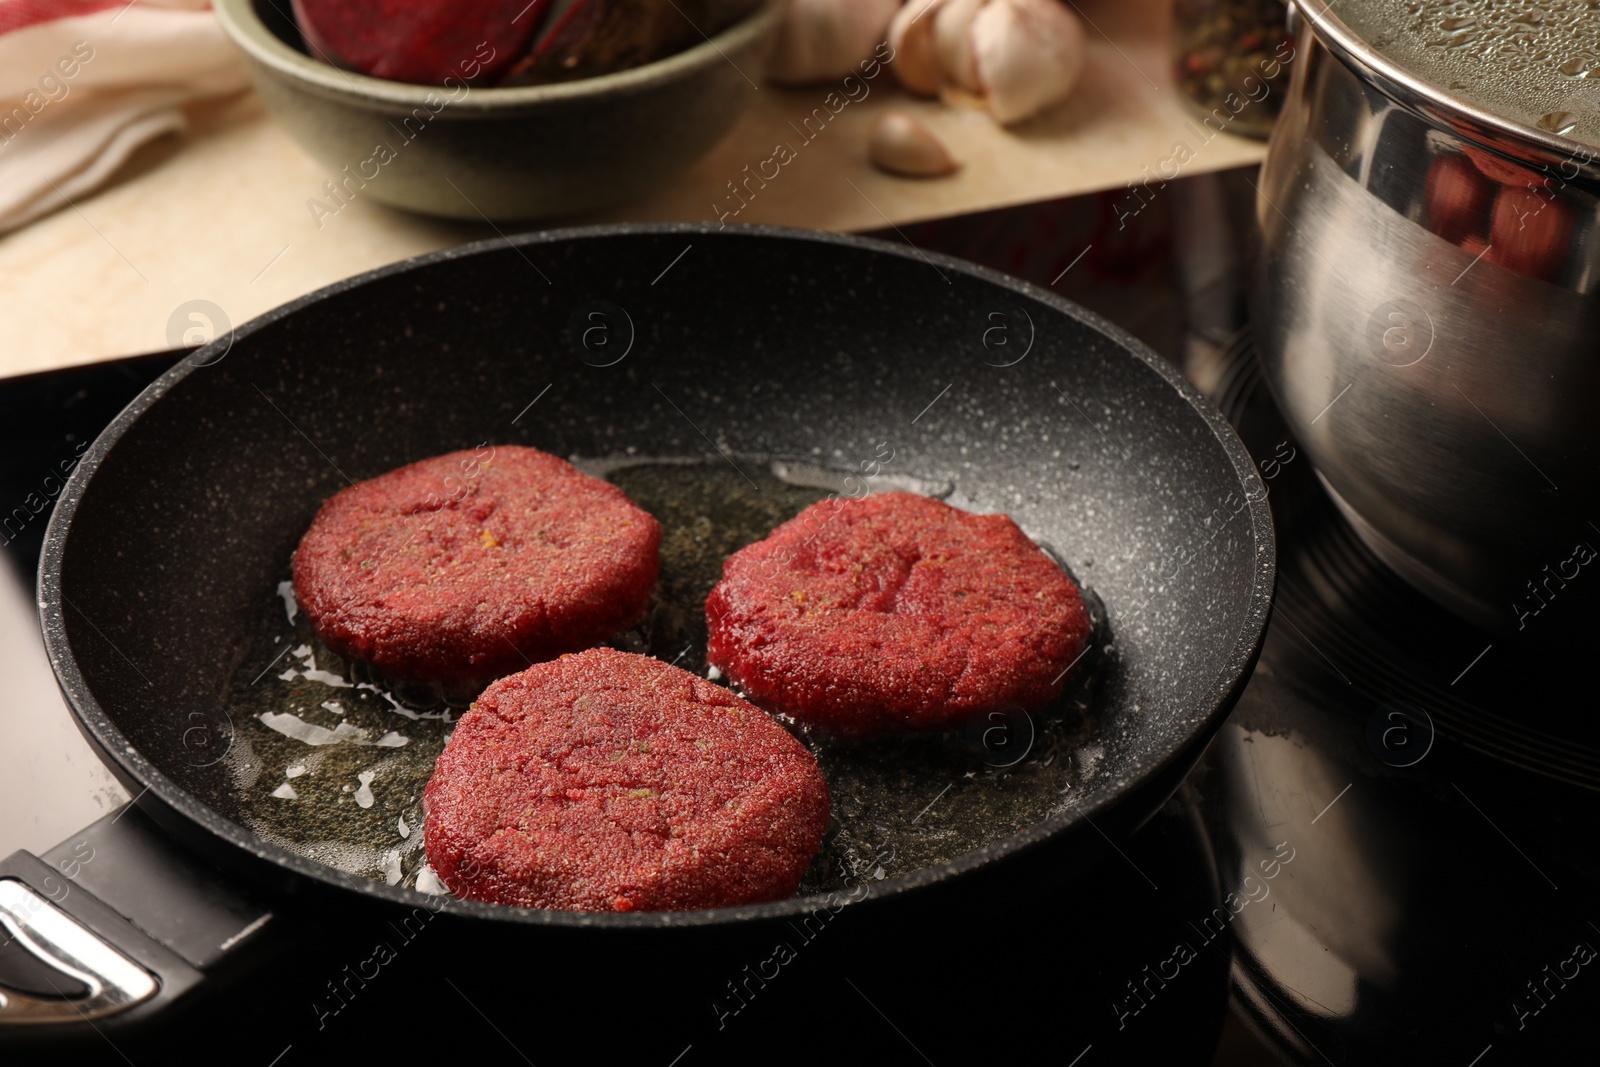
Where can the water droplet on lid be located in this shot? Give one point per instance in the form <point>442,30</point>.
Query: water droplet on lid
<point>1561,122</point>
<point>1517,58</point>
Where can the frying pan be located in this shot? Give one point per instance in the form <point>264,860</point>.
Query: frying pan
<point>737,346</point>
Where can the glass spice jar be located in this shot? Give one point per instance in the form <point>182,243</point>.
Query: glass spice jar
<point>1232,60</point>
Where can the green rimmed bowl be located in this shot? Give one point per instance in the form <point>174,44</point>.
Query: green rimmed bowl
<point>531,152</point>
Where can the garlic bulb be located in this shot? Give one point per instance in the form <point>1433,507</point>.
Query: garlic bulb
<point>902,144</point>
<point>1013,57</point>
<point>823,39</point>
<point>911,37</point>
<point>1028,54</point>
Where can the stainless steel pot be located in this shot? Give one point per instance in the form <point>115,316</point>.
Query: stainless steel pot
<point>1425,307</point>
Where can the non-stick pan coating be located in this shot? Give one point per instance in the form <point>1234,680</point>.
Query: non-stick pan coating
<point>756,342</point>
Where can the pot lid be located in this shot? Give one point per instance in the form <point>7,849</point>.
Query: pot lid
<point>1533,62</point>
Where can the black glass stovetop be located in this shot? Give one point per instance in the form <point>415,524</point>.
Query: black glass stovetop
<point>1387,855</point>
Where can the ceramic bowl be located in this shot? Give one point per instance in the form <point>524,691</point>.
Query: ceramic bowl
<point>529,152</point>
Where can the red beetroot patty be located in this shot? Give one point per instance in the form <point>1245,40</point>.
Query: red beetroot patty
<point>892,613</point>
<point>609,781</point>
<point>463,568</point>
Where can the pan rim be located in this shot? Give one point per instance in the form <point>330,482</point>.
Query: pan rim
<point>124,759</point>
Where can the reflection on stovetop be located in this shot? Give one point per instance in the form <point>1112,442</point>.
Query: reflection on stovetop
<point>1517,698</point>
<point>1437,786</point>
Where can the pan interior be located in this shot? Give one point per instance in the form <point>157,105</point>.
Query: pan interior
<point>330,762</point>
<point>752,347</point>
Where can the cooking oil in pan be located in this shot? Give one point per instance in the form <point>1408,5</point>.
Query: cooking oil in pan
<point>329,763</point>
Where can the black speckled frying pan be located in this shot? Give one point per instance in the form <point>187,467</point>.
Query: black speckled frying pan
<point>769,358</point>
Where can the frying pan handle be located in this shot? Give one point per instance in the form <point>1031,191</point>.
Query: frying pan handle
<point>117,921</point>
<point>53,968</point>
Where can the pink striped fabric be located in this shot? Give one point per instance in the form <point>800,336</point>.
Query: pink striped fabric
<point>17,14</point>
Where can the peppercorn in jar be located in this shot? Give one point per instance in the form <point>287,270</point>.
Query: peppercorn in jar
<point>1232,59</point>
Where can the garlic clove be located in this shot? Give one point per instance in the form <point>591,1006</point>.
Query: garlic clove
<point>952,42</point>
<point>824,39</point>
<point>902,144</point>
<point>916,63</point>
<point>1028,54</point>
<point>956,96</point>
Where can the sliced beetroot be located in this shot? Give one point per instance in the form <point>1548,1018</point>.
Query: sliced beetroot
<point>421,41</point>
<point>585,38</point>
<point>573,23</point>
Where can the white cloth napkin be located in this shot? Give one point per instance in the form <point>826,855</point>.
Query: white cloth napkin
<point>85,82</point>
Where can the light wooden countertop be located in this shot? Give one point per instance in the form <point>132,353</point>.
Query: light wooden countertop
<point>221,213</point>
